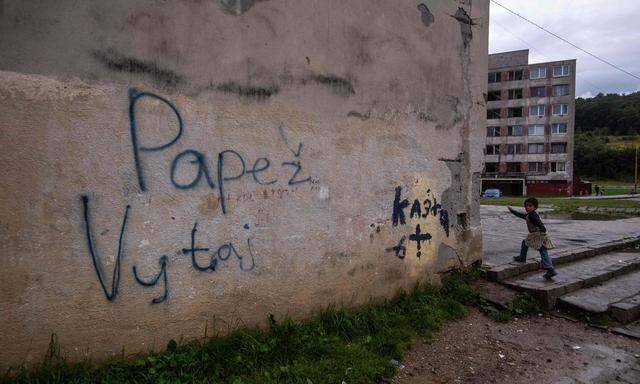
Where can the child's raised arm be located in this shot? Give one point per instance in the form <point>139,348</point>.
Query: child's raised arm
<point>516,213</point>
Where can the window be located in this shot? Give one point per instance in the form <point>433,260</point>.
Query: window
<point>561,70</point>
<point>493,131</point>
<point>537,92</point>
<point>493,113</point>
<point>515,94</point>
<point>560,109</point>
<point>558,166</point>
<point>558,147</point>
<point>515,75</point>
<point>491,167</point>
<point>494,96</point>
<point>561,90</point>
<point>536,110</point>
<point>493,149</point>
<point>536,148</point>
<point>536,130</point>
<point>536,167</point>
<point>514,149</point>
<point>538,73</point>
<point>513,167</point>
<point>559,128</point>
<point>494,77</point>
<point>515,130</point>
<point>515,112</point>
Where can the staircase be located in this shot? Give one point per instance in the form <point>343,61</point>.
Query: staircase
<point>597,280</point>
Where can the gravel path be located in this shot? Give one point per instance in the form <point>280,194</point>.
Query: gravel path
<point>532,350</point>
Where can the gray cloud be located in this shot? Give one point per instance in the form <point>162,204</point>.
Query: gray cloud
<point>607,29</point>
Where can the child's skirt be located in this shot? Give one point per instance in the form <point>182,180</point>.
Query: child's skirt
<point>537,240</point>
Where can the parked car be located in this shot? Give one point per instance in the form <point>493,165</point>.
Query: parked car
<point>492,193</point>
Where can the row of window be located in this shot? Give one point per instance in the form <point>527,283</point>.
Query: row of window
<point>534,111</point>
<point>534,73</point>
<point>518,149</point>
<point>516,93</point>
<point>533,167</point>
<point>532,130</point>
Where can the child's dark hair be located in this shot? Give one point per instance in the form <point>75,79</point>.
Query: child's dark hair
<point>533,201</point>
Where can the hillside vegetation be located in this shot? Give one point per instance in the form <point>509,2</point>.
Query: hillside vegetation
<point>610,114</point>
<point>607,133</point>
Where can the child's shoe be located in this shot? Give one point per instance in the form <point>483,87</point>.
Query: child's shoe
<point>519,259</point>
<point>550,273</point>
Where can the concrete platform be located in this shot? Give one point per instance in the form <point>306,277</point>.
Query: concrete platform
<point>618,297</point>
<point>502,233</point>
<point>576,275</point>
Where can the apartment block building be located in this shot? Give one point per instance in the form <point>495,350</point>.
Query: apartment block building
<point>530,125</point>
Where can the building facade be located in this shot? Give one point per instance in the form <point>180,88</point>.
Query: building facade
<point>530,125</point>
<point>177,169</point>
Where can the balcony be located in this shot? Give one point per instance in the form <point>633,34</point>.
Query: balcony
<point>499,175</point>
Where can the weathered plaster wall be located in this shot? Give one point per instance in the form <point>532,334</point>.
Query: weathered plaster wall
<point>175,169</point>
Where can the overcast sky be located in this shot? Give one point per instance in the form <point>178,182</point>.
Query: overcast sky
<point>609,29</point>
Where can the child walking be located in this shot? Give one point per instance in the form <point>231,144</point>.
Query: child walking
<point>537,238</point>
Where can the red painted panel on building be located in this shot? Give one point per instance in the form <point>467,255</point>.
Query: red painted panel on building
<point>549,189</point>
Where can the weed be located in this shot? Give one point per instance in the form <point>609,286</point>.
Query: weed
<point>521,305</point>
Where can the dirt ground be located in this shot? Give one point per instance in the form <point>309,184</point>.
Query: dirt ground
<point>537,349</point>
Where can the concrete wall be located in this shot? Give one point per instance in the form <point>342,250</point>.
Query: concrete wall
<point>177,169</point>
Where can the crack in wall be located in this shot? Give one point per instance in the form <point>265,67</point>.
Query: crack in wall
<point>338,85</point>
<point>465,25</point>
<point>247,91</point>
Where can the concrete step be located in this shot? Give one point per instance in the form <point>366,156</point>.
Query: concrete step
<point>627,310</point>
<point>630,330</point>
<point>576,275</point>
<point>494,293</point>
<point>510,270</point>
<point>619,297</point>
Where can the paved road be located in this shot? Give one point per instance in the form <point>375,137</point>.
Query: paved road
<point>503,233</point>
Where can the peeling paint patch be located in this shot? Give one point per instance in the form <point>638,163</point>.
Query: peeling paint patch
<point>250,92</point>
<point>359,115</point>
<point>453,197</point>
<point>425,15</point>
<point>447,254</point>
<point>426,117</point>
<point>323,194</point>
<point>338,85</point>
<point>121,63</point>
<point>237,7</point>
<point>465,25</point>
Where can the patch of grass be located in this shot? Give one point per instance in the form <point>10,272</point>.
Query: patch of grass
<point>598,320</point>
<point>614,187</point>
<point>623,142</point>
<point>337,345</point>
<point>563,205</point>
<point>521,305</point>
